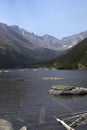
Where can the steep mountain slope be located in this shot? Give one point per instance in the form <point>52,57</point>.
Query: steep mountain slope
<point>74,39</point>
<point>17,50</point>
<point>44,41</point>
<point>76,58</point>
<point>64,43</point>
<point>19,47</point>
<point>51,42</point>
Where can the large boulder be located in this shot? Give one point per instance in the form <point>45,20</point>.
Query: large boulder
<point>5,125</point>
<point>62,87</point>
<point>67,90</point>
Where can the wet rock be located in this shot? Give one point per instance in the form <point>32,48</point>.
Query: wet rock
<point>5,125</point>
<point>67,90</point>
<point>24,128</point>
<point>62,87</point>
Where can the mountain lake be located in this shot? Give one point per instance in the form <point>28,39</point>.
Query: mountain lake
<point>25,97</point>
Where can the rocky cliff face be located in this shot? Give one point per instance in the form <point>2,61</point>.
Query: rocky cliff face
<point>51,42</point>
<point>74,39</point>
<point>64,43</point>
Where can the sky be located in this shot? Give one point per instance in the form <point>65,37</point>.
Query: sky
<point>59,18</point>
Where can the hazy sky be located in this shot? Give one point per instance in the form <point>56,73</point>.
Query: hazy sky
<point>59,18</point>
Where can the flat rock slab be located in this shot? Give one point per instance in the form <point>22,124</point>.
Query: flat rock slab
<point>67,90</point>
<point>5,125</point>
<point>62,87</point>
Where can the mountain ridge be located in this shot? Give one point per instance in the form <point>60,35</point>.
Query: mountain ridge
<point>48,41</point>
<point>17,51</point>
<point>19,47</point>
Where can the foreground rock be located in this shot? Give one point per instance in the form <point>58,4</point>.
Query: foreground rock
<point>67,90</point>
<point>5,125</point>
<point>24,128</point>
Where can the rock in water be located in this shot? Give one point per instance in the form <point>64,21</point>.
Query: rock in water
<point>67,90</point>
<point>24,128</point>
<point>5,125</point>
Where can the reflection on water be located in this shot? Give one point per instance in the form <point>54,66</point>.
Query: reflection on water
<point>25,100</point>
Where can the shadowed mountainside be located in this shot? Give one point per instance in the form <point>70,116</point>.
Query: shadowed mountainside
<point>76,58</point>
<point>16,50</point>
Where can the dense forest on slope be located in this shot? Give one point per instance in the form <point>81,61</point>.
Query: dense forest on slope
<point>76,58</point>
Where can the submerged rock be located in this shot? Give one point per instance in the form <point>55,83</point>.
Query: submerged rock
<point>52,78</point>
<point>5,125</point>
<point>67,90</point>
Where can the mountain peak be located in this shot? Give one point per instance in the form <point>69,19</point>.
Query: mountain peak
<point>46,41</point>
<point>3,26</point>
<point>15,27</point>
<point>48,36</point>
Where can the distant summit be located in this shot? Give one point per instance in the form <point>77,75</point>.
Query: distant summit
<point>48,41</point>
<point>75,58</point>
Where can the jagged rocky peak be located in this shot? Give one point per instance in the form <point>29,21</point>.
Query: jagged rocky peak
<point>70,41</point>
<point>47,36</point>
<point>46,40</point>
<point>3,26</point>
<point>15,27</point>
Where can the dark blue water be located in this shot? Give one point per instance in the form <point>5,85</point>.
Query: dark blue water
<point>25,97</point>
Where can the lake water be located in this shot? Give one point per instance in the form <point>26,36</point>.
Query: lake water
<point>25,97</point>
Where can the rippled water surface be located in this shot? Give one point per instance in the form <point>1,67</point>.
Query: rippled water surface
<point>25,97</point>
